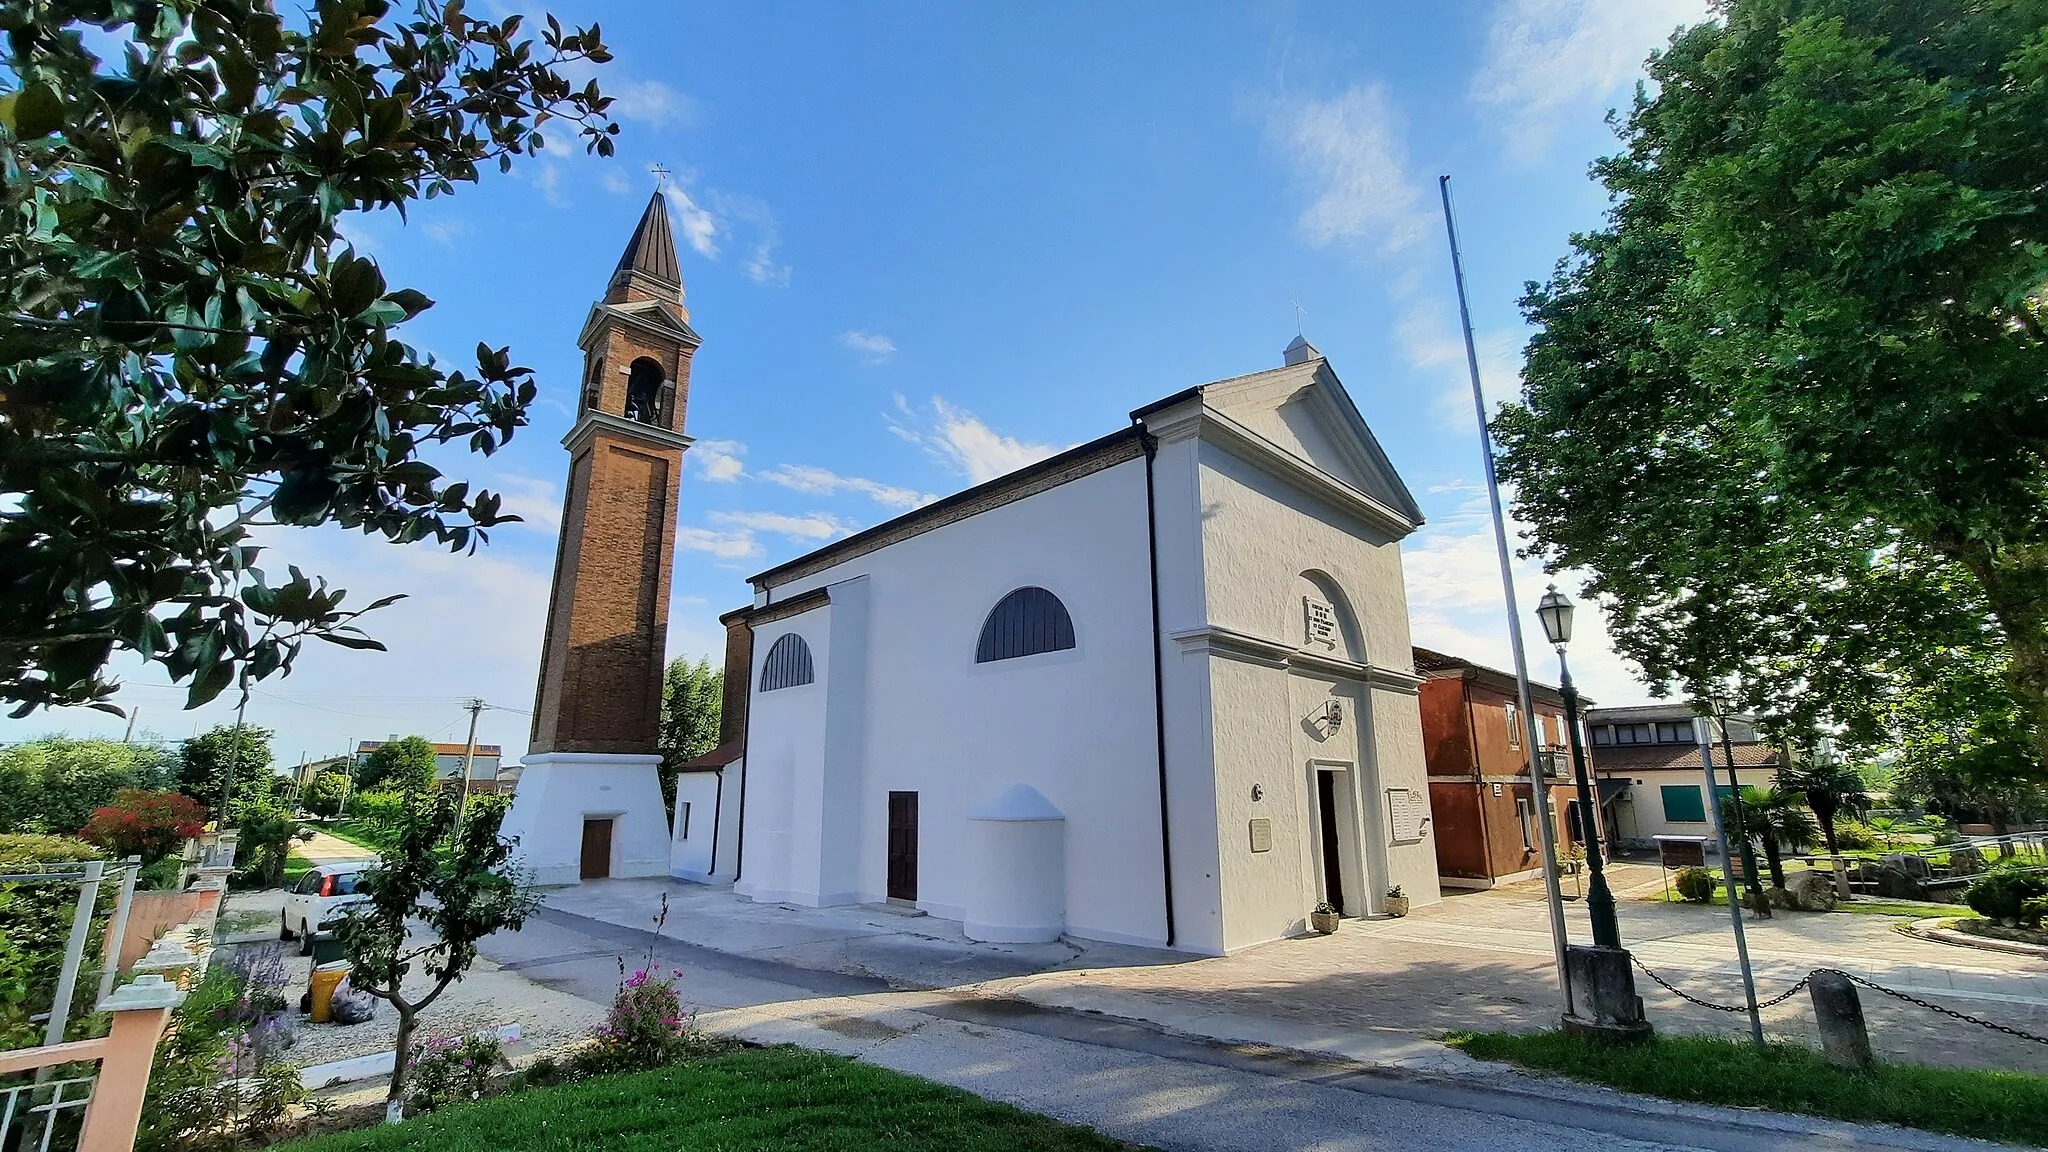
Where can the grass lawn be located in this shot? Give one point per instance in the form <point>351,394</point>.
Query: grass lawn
<point>362,833</point>
<point>2009,1106</point>
<point>769,1098</point>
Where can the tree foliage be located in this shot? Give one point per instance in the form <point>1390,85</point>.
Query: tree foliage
<point>1773,817</point>
<point>191,347</point>
<point>1829,788</point>
<point>1789,406</point>
<point>459,896</point>
<point>208,757</point>
<point>692,699</point>
<point>54,784</point>
<point>145,824</point>
<point>405,763</point>
<point>327,792</point>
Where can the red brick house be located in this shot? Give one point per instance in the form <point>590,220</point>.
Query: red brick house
<point>1473,741</point>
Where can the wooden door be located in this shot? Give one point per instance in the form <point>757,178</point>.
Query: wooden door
<point>902,845</point>
<point>1333,852</point>
<point>597,848</point>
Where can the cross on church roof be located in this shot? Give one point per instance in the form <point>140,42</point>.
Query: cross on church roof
<point>660,174</point>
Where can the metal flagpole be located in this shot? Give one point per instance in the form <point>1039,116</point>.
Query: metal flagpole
<point>1705,735</point>
<point>1539,786</point>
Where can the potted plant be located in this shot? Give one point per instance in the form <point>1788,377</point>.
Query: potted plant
<point>1397,901</point>
<point>1324,918</point>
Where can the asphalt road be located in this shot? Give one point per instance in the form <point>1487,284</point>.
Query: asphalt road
<point>1140,1083</point>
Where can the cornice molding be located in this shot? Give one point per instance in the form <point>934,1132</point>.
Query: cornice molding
<point>1247,648</point>
<point>592,422</point>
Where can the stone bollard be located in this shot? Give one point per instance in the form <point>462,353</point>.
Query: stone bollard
<point>1839,1012</point>
<point>1842,889</point>
<point>1604,1000</point>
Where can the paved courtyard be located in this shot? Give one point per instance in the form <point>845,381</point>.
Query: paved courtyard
<point>1383,991</point>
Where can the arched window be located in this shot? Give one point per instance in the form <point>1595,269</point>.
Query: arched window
<point>788,664</point>
<point>1027,621</point>
<point>643,390</point>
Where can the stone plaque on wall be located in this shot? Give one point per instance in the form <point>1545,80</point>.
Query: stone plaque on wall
<point>1404,816</point>
<point>1262,834</point>
<point>1319,624</point>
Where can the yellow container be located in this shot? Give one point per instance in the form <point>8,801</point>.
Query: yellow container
<point>325,978</point>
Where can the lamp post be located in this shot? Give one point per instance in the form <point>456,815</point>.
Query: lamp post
<point>1603,989</point>
<point>1555,611</point>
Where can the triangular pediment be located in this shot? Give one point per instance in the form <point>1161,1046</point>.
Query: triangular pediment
<point>1304,411</point>
<point>653,315</point>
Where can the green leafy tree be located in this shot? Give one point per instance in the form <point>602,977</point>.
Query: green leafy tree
<point>268,830</point>
<point>692,696</point>
<point>458,895</point>
<point>326,794</point>
<point>1775,818</point>
<point>1830,788</point>
<point>1785,406</point>
<point>191,348</point>
<point>208,757</point>
<point>398,764</point>
<point>55,784</point>
<point>1965,747</point>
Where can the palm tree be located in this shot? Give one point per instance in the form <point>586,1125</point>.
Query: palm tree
<point>1829,788</point>
<point>1777,818</point>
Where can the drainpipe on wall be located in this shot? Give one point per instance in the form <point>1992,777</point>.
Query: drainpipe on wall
<point>1158,683</point>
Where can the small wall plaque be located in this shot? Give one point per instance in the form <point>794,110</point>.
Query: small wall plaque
<point>1319,624</point>
<point>1404,816</point>
<point>1262,835</point>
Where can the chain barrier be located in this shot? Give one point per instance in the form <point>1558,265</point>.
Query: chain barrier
<point>1807,979</point>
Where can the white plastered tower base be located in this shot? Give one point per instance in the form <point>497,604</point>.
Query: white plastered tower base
<point>558,791</point>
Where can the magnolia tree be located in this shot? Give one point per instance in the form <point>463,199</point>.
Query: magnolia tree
<point>189,349</point>
<point>456,896</point>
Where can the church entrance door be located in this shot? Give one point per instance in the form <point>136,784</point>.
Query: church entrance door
<point>903,846</point>
<point>1332,844</point>
<point>597,848</point>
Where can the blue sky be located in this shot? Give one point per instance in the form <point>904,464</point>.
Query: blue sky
<point>926,244</point>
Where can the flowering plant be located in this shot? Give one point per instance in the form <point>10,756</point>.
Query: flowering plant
<point>454,1068</point>
<point>145,824</point>
<point>647,1025</point>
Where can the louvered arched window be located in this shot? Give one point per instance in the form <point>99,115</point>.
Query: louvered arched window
<point>1026,622</point>
<point>788,664</point>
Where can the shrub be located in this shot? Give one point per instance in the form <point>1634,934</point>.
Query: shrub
<point>324,796</point>
<point>218,1082</point>
<point>145,824</point>
<point>2033,911</point>
<point>646,1027</point>
<point>2003,892</point>
<point>451,1069</point>
<point>1854,834</point>
<point>384,807</point>
<point>35,924</point>
<point>1695,885</point>
<point>53,785</point>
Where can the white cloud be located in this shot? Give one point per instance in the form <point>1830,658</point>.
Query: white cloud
<point>718,460</point>
<point>734,545</point>
<point>812,526</point>
<point>871,346</point>
<point>1547,58</point>
<point>1455,605</point>
<point>616,182</point>
<point>961,441</point>
<point>823,482</point>
<point>760,265</point>
<point>1350,148</point>
<point>548,179</point>
<point>537,502</point>
<point>650,102</point>
<point>698,226</point>
<point>1427,334</point>
<point>445,231</point>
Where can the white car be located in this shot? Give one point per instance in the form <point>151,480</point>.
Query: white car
<point>320,898</point>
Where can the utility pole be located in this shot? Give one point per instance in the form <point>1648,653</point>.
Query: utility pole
<point>227,782</point>
<point>476,708</point>
<point>128,737</point>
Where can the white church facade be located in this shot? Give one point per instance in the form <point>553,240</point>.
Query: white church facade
<point>1157,689</point>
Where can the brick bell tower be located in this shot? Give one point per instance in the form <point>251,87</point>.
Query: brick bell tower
<point>589,801</point>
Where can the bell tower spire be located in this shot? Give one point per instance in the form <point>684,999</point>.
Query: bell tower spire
<point>649,269</point>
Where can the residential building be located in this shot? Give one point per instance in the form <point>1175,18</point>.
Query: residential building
<point>1648,761</point>
<point>1480,799</point>
<point>483,772</point>
<point>1155,689</point>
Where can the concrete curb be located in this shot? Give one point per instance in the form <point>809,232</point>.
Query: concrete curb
<point>1933,929</point>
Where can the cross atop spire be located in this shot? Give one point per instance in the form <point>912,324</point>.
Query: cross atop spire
<point>649,270</point>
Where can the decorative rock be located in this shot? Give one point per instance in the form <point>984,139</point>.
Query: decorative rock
<point>1898,881</point>
<point>1810,892</point>
<point>1914,866</point>
<point>1965,861</point>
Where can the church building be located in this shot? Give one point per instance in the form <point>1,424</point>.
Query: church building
<point>1157,689</point>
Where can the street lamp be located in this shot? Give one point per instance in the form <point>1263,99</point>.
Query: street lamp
<point>1604,1001</point>
<point>1555,611</point>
